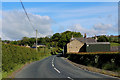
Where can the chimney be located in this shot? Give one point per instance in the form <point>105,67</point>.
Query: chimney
<point>85,35</point>
<point>96,38</point>
<point>72,36</point>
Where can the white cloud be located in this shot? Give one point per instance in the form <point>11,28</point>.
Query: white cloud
<point>0,27</point>
<point>101,26</point>
<point>0,24</point>
<point>75,12</point>
<point>16,25</point>
<point>97,29</point>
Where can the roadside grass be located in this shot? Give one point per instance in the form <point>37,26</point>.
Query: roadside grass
<point>114,44</point>
<point>7,74</point>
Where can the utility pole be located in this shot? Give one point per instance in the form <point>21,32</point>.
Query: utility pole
<point>36,40</point>
<point>63,50</point>
<point>44,50</point>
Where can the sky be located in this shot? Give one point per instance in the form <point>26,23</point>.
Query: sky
<point>61,0</point>
<point>92,18</point>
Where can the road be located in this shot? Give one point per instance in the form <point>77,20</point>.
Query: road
<point>55,67</point>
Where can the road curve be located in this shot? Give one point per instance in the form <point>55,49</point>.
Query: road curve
<point>55,67</point>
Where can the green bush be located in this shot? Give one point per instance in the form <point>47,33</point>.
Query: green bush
<point>109,66</point>
<point>16,55</point>
<point>102,61</point>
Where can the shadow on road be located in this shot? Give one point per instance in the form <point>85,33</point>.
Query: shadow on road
<point>59,55</point>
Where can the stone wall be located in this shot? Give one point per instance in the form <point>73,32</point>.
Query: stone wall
<point>115,48</point>
<point>74,46</point>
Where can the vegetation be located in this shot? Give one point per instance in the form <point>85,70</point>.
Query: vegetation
<point>0,59</point>
<point>57,40</point>
<point>103,61</point>
<point>103,39</point>
<point>115,39</point>
<point>115,44</point>
<point>15,56</point>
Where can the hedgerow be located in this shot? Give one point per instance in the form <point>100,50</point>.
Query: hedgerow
<point>16,55</point>
<point>103,61</point>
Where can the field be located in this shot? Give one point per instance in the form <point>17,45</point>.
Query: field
<point>114,44</point>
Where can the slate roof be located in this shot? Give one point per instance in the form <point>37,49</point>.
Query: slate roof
<point>99,43</point>
<point>86,40</point>
<point>89,40</point>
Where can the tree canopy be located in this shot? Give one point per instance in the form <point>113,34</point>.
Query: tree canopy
<point>57,40</point>
<point>103,39</point>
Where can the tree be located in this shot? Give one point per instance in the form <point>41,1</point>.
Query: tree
<point>63,40</point>
<point>103,39</point>
<point>66,36</point>
<point>25,41</point>
<point>56,37</point>
<point>14,42</point>
<point>31,41</point>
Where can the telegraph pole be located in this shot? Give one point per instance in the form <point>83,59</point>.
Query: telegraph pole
<point>36,40</point>
<point>63,50</point>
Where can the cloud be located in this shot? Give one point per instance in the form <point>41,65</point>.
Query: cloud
<point>0,27</point>
<point>75,12</point>
<point>16,25</point>
<point>97,29</point>
<point>105,28</point>
<point>101,26</point>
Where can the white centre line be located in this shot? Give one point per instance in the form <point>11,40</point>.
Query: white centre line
<point>57,70</point>
<point>70,78</point>
<point>54,66</point>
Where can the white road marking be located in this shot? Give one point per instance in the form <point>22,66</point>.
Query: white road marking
<point>57,70</point>
<point>70,78</point>
<point>54,66</point>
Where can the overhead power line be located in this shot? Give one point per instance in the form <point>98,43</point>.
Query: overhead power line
<point>30,22</point>
<point>27,15</point>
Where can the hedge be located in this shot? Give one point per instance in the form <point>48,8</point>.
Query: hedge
<point>15,55</point>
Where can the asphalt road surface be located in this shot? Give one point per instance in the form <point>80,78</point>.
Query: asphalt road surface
<point>55,67</point>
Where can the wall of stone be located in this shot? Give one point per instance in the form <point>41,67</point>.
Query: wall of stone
<point>74,46</point>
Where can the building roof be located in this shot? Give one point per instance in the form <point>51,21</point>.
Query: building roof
<point>86,40</point>
<point>99,43</point>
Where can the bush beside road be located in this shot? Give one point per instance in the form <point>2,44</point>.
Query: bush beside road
<point>105,61</point>
<point>14,57</point>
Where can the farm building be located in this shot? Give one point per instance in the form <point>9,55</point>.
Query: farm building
<point>38,45</point>
<point>84,44</point>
